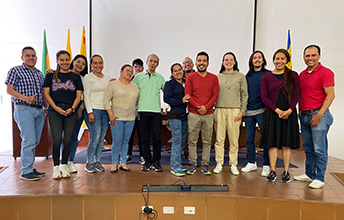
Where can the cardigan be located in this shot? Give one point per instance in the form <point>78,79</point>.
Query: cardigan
<point>270,87</point>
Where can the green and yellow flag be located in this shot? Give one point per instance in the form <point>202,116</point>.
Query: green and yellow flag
<point>45,55</point>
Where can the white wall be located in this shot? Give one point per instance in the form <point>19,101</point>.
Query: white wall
<point>173,29</point>
<point>310,22</point>
<point>22,24</point>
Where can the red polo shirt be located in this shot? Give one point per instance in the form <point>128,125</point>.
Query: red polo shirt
<point>312,87</point>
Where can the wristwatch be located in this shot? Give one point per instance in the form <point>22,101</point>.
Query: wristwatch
<point>73,110</point>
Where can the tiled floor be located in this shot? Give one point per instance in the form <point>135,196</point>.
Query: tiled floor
<point>245,185</point>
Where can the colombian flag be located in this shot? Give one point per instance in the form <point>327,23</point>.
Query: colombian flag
<point>68,47</point>
<point>289,65</point>
<point>45,55</point>
<point>83,43</point>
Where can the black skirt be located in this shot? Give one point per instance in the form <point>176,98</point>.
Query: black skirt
<point>279,132</point>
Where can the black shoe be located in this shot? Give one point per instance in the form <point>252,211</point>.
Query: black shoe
<point>146,167</point>
<point>40,174</point>
<point>157,167</point>
<point>285,177</point>
<point>272,176</point>
<point>129,159</point>
<point>30,177</point>
<point>114,171</point>
<point>124,169</point>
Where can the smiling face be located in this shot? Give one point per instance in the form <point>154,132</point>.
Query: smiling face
<point>188,65</point>
<point>29,58</point>
<point>97,64</point>
<point>79,65</point>
<point>311,57</point>
<point>257,60</point>
<point>202,63</point>
<point>228,62</point>
<point>127,73</point>
<point>280,61</point>
<point>177,72</point>
<point>64,61</point>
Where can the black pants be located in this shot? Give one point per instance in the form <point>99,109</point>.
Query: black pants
<point>61,127</point>
<point>131,140</point>
<point>150,123</point>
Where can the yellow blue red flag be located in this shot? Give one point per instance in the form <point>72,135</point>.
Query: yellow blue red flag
<point>289,65</point>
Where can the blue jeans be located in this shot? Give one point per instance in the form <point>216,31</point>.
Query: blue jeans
<point>97,132</point>
<point>178,129</point>
<point>74,142</point>
<point>315,144</point>
<point>120,137</point>
<point>250,126</point>
<point>30,122</point>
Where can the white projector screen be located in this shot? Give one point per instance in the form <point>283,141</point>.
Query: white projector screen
<point>123,30</point>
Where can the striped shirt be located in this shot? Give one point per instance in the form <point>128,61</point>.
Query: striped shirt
<point>26,82</point>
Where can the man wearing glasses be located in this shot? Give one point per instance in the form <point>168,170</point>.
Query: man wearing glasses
<point>188,66</point>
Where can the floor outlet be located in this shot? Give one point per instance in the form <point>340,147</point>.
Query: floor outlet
<point>168,210</point>
<point>189,210</point>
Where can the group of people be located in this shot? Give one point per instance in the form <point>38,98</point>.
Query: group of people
<point>198,100</point>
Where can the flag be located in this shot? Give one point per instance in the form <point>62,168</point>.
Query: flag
<point>45,55</point>
<point>68,47</point>
<point>83,52</point>
<point>83,43</point>
<point>289,65</point>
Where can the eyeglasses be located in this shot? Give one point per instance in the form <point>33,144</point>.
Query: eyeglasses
<point>130,72</point>
<point>187,62</point>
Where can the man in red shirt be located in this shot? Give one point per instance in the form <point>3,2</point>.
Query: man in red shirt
<point>203,88</point>
<point>317,94</point>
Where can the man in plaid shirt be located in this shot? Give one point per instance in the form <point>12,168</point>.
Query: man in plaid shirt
<point>25,85</point>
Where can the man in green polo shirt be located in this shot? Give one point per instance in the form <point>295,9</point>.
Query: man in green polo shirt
<point>149,109</point>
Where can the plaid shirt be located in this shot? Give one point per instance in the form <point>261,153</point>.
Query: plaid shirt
<point>26,82</point>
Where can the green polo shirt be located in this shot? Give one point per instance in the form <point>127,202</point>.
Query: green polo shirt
<point>150,86</point>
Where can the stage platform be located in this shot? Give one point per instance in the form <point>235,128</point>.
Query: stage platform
<point>118,196</point>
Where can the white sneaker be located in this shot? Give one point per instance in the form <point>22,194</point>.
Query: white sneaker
<point>218,168</point>
<point>142,160</point>
<point>249,167</point>
<point>266,170</point>
<point>316,184</point>
<point>303,178</point>
<point>57,173</point>
<point>65,171</point>
<point>72,168</point>
<point>234,170</point>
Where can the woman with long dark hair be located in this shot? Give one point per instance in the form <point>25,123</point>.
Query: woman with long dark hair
<point>280,92</point>
<point>255,111</point>
<point>177,116</point>
<point>63,91</point>
<point>229,110</point>
<point>79,66</point>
